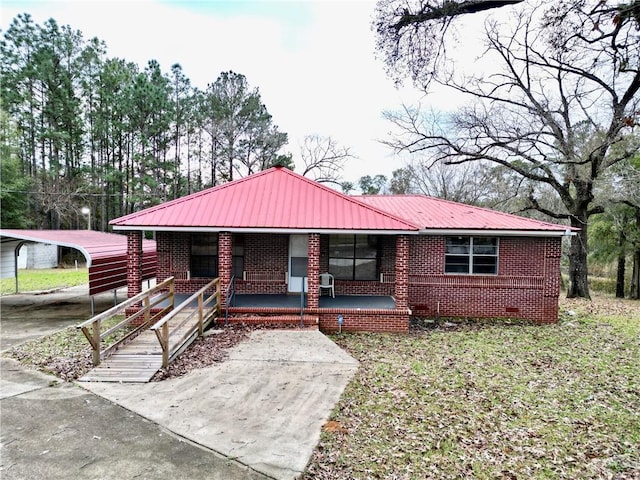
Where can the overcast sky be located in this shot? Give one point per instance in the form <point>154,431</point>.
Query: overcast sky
<point>313,61</point>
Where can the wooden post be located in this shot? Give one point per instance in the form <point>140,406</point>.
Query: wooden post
<point>172,293</point>
<point>147,308</point>
<point>96,343</point>
<point>165,345</point>
<point>200,314</point>
<point>218,297</point>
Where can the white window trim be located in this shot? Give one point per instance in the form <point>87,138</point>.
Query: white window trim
<point>470,255</point>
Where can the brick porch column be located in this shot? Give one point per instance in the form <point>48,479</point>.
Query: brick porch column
<point>134,263</point>
<point>313,271</point>
<point>225,262</point>
<point>402,272</point>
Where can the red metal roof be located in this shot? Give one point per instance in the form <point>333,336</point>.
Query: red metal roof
<point>434,213</point>
<point>274,199</point>
<point>106,253</point>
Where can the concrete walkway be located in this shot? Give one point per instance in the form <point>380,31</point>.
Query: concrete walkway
<point>257,415</point>
<point>264,406</point>
<point>59,431</point>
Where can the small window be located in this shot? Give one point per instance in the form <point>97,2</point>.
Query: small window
<point>353,257</point>
<point>471,255</point>
<point>204,255</point>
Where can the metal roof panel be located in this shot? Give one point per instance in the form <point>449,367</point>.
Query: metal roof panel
<point>436,213</point>
<point>276,198</point>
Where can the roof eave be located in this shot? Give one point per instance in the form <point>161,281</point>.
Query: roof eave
<point>498,232</point>
<point>371,231</point>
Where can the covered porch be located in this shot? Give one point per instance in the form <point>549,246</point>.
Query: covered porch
<point>275,277</point>
<point>339,313</point>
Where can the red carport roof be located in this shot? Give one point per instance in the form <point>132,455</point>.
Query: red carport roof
<point>105,253</point>
<point>437,214</point>
<point>272,200</point>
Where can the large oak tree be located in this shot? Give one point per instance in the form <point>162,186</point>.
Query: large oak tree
<point>560,89</point>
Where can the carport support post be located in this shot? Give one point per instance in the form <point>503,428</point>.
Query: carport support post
<point>402,272</point>
<point>134,263</point>
<point>313,271</point>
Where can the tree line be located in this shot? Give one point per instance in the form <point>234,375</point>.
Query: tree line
<point>83,130</point>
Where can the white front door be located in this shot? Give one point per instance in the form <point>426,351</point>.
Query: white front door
<point>298,262</point>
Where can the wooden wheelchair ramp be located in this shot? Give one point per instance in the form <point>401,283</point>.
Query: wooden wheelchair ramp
<point>151,346</point>
<point>140,359</point>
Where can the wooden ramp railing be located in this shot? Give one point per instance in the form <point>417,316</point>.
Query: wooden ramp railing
<point>140,353</point>
<point>163,291</point>
<point>175,338</point>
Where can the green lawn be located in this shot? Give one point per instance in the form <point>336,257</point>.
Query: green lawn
<point>492,401</point>
<point>45,279</point>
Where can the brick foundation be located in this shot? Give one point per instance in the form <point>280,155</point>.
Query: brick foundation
<point>390,321</point>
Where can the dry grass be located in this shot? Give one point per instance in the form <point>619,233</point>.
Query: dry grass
<point>493,401</point>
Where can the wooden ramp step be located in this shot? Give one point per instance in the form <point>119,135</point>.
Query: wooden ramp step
<point>125,368</point>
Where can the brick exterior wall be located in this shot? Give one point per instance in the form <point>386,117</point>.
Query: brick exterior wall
<point>527,284</point>
<point>265,255</point>
<point>134,263</point>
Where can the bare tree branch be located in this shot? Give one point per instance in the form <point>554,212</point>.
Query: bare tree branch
<point>324,159</point>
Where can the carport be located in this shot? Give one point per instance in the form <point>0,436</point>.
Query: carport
<point>105,254</point>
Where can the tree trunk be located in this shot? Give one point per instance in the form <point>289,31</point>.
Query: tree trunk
<point>634,292</point>
<point>620,276</point>
<point>578,279</point>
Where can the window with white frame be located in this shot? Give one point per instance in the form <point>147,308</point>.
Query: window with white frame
<point>471,255</point>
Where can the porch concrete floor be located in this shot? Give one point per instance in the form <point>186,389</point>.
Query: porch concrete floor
<point>293,301</point>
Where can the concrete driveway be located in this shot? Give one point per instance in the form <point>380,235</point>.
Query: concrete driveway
<point>257,415</point>
<point>264,406</point>
<point>59,431</point>
<point>26,316</point>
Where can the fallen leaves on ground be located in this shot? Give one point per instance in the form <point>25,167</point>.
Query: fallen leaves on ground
<point>502,400</point>
<point>67,353</point>
<point>205,351</point>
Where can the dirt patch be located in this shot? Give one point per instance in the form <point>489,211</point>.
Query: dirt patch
<point>205,351</point>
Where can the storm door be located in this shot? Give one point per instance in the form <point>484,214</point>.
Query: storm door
<point>298,262</point>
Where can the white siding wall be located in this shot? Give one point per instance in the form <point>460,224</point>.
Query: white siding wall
<point>7,259</point>
<point>40,255</point>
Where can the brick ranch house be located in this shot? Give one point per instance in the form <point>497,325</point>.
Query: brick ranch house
<point>270,235</point>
